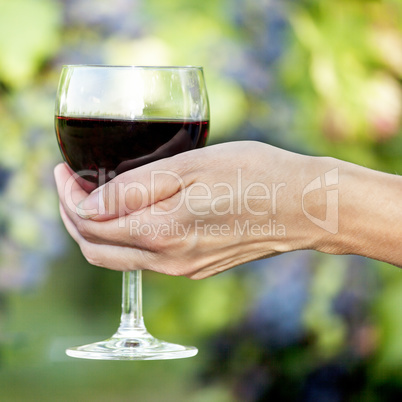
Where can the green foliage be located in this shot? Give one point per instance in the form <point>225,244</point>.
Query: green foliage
<point>320,320</point>
<point>28,36</point>
<point>347,86</point>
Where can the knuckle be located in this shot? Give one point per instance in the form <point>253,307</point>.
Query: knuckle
<point>90,254</point>
<point>84,227</point>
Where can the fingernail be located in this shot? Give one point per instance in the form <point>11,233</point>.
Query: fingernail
<point>91,206</point>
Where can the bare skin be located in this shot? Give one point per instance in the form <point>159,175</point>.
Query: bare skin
<point>207,210</point>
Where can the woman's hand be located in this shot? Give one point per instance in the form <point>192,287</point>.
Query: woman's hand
<point>195,214</point>
<point>207,210</point>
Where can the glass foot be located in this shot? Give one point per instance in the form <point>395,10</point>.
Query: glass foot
<point>136,346</point>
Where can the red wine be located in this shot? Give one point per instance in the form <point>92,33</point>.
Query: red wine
<point>98,149</point>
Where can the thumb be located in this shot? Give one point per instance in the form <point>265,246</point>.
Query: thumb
<point>131,192</point>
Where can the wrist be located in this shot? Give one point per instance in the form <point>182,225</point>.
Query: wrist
<point>306,205</point>
<point>316,221</point>
<point>369,217</point>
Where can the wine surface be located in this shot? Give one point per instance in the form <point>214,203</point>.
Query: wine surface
<point>98,149</point>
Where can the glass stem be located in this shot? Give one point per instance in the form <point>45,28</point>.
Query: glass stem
<point>131,315</point>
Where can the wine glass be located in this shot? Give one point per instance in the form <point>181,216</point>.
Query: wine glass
<point>109,119</point>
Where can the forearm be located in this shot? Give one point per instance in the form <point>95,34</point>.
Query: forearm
<point>369,215</point>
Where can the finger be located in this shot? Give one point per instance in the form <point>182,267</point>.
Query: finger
<point>70,192</point>
<point>129,231</point>
<point>109,256</point>
<point>69,225</point>
<point>134,190</point>
<point>110,232</point>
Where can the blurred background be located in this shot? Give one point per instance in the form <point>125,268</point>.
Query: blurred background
<point>312,76</point>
